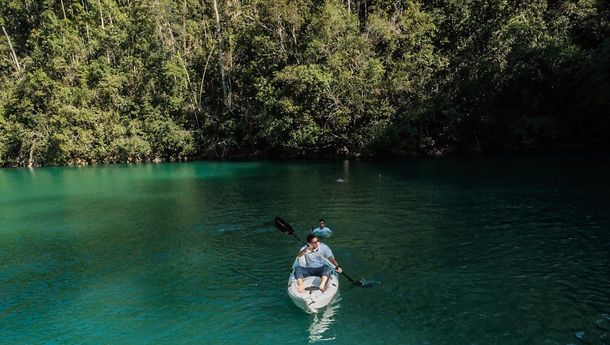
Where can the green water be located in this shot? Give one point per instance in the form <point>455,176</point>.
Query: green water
<point>467,250</point>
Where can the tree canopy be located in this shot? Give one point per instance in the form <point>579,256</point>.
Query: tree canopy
<point>103,81</point>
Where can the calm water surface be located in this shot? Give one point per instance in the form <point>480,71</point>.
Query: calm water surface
<point>467,250</point>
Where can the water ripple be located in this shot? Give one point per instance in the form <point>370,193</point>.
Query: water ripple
<point>465,251</point>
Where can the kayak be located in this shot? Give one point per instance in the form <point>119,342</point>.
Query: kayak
<point>312,299</point>
<point>322,233</point>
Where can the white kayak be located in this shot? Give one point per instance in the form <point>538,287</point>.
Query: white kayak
<point>312,299</point>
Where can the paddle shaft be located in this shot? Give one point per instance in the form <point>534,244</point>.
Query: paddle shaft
<point>355,282</point>
<point>298,238</point>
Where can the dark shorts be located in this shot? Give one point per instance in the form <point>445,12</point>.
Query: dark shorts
<point>302,272</point>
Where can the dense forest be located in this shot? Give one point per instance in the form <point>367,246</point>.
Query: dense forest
<point>102,81</point>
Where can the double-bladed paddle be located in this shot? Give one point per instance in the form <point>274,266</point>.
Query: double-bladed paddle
<point>284,227</point>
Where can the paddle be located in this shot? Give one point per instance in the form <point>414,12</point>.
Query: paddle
<point>286,228</point>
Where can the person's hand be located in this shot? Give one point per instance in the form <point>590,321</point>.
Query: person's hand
<point>339,269</point>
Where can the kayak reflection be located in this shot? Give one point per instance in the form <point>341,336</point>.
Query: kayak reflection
<point>321,322</point>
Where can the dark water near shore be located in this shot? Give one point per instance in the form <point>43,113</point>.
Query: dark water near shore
<point>467,250</point>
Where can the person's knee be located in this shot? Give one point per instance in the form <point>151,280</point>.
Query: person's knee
<point>322,272</point>
<point>299,272</point>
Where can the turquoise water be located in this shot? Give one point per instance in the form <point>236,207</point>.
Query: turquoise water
<point>466,250</point>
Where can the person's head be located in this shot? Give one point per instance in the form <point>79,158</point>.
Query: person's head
<point>322,223</point>
<point>313,240</point>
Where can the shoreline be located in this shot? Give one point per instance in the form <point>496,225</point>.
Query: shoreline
<point>395,155</point>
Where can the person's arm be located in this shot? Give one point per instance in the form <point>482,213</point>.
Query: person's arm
<point>303,251</point>
<point>334,262</point>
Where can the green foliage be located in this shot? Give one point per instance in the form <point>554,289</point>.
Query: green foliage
<point>125,81</point>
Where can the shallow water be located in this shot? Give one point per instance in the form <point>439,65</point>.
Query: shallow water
<point>466,250</point>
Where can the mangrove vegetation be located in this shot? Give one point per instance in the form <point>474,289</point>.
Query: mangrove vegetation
<point>103,81</point>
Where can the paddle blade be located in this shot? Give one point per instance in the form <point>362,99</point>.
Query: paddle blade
<point>359,283</point>
<point>283,226</point>
<point>363,284</point>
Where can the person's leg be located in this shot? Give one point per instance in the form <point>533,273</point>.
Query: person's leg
<point>300,273</point>
<point>323,283</point>
<point>325,273</point>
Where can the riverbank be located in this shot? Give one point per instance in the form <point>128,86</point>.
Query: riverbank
<point>261,155</point>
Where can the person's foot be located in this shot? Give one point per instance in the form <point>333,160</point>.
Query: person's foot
<point>300,289</point>
<point>321,288</point>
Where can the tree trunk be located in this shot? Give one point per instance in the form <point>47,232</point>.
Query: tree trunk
<point>183,60</point>
<point>88,35</point>
<point>101,14</point>
<point>205,69</point>
<point>31,156</point>
<point>363,14</point>
<point>184,13</point>
<point>476,138</point>
<point>221,58</point>
<point>13,54</point>
<point>63,9</point>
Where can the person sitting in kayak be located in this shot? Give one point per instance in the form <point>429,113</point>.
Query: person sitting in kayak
<point>321,231</point>
<point>315,252</point>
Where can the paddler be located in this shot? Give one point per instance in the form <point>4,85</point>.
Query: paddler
<point>315,252</point>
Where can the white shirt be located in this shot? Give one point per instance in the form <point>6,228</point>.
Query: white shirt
<point>322,231</point>
<point>315,258</point>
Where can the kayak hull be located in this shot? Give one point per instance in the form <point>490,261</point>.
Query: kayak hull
<point>313,299</point>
